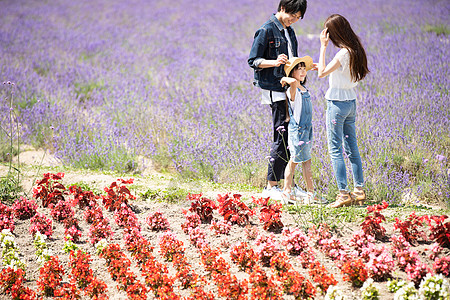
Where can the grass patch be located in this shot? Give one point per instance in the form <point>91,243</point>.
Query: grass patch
<point>440,29</point>
<point>308,215</point>
<point>10,188</point>
<point>171,195</point>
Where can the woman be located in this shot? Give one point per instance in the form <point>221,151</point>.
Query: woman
<point>347,68</point>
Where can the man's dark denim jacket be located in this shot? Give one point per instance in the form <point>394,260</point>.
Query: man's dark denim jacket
<point>270,42</point>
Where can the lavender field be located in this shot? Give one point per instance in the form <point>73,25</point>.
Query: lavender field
<point>103,83</point>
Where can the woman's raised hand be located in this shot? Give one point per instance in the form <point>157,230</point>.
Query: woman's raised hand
<point>324,37</point>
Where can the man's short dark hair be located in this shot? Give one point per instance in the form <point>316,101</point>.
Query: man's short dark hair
<point>293,6</point>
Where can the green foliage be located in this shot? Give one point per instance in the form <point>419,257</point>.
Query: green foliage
<point>440,29</point>
<point>307,215</point>
<point>120,160</point>
<point>171,194</point>
<point>10,188</point>
<point>86,187</point>
<point>83,91</point>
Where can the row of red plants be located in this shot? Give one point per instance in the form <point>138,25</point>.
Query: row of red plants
<point>375,261</point>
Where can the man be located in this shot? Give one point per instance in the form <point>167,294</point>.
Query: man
<point>274,43</point>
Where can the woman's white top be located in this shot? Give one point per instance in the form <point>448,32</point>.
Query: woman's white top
<point>340,82</point>
<point>296,105</point>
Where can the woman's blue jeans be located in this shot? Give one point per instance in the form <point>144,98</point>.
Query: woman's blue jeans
<point>341,133</point>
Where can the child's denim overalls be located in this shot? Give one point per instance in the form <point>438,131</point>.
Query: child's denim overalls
<point>301,134</point>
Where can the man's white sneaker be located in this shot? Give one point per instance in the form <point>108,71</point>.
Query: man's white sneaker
<point>274,193</point>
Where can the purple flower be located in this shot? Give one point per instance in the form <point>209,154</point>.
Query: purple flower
<point>440,157</point>
<point>333,121</point>
<point>301,143</point>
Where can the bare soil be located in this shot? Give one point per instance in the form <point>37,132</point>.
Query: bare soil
<point>173,212</point>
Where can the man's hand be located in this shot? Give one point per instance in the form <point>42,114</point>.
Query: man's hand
<point>281,59</point>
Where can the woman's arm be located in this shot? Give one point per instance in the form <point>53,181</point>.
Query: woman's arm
<point>323,70</point>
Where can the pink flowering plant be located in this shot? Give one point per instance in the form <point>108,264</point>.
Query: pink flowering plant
<point>157,222</point>
<point>24,209</point>
<point>220,227</point>
<point>294,240</point>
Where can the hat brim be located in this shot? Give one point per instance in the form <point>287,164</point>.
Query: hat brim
<point>306,59</point>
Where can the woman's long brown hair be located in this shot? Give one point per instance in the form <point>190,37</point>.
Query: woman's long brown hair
<point>342,36</point>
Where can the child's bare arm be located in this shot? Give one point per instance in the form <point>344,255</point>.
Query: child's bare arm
<point>293,83</point>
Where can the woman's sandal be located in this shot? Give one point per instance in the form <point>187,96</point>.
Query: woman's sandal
<point>342,200</point>
<point>358,196</point>
<point>287,198</point>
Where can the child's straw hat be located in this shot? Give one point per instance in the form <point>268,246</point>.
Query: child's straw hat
<point>295,61</point>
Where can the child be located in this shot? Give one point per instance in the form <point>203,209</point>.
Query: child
<point>300,132</point>
<point>347,68</point>
<point>274,43</point>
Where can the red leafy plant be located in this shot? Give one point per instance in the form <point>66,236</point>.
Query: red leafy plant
<point>440,230</point>
<point>220,227</point>
<point>24,208</point>
<point>263,287</point>
<point>81,272</point>
<point>6,217</point>
<point>230,288</point>
<point>62,210</point>
<point>442,266</point>
<point>170,246</point>
<point>49,189</point>
<point>157,221</point>
<point>126,218</point>
<point>410,228</point>
<point>234,210</point>
<point>372,223</point>
<point>202,206</point>
<point>42,224</point>
<point>119,268</point>
<point>50,276</point>
<point>280,263</point>
<point>417,272</point>
<point>82,198</point>
<point>99,230</point>
<point>67,291</point>
<point>334,249</point>
<point>355,271</point>
<point>403,254</point>
<point>270,214</point>
<point>321,276</point>
<point>97,290</point>
<point>192,221</point>
<point>93,214</point>
<point>11,282</point>
<point>297,285</point>
<point>213,263</point>
<point>197,236</point>
<point>158,280</point>
<point>117,194</point>
<point>244,256</point>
